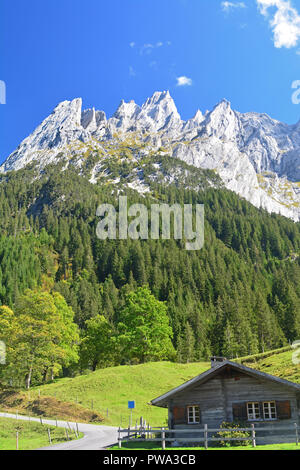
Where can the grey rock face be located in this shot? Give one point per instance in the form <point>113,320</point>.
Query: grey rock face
<point>256,156</point>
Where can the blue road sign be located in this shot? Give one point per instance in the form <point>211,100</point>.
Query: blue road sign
<point>131,405</point>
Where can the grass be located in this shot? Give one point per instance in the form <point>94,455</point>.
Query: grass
<point>153,446</point>
<point>32,435</point>
<point>49,407</point>
<point>280,365</point>
<point>257,357</point>
<point>105,393</point>
<point>111,388</point>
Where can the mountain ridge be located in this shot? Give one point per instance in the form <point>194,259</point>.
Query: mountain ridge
<point>256,156</point>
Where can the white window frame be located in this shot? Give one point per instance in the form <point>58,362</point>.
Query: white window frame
<point>252,406</point>
<point>195,414</point>
<point>270,405</point>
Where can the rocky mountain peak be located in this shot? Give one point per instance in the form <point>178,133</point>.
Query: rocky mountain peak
<point>157,97</point>
<point>161,109</point>
<point>222,108</point>
<point>127,110</point>
<point>222,122</point>
<point>67,112</point>
<point>255,155</point>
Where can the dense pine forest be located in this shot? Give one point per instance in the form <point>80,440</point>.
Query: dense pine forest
<point>239,295</point>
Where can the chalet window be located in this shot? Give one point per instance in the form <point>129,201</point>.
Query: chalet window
<point>269,409</point>
<point>253,411</point>
<point>193,414</point>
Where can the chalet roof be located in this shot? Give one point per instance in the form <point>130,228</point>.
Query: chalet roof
<point>162,401</point>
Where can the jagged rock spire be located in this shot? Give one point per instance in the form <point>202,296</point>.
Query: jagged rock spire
<point>240,147</point>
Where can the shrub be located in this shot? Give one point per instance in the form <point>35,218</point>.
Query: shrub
<point>233,432</point>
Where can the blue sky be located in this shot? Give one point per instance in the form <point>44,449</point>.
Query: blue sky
<point>103,51</point>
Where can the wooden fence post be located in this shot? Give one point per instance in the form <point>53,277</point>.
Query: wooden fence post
<point>49,436</point>
<point>253,435</point>
<point>17,440</point>
<point>119,439</point>
<point>297,434</point>
<point>77,429</point>
<point>163,437</point>
<point>41,420</point>
<point>205,436</point>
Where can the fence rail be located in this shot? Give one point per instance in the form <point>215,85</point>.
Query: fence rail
<point>163,435</point>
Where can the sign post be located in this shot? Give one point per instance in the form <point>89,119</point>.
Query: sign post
<point>131,406</point>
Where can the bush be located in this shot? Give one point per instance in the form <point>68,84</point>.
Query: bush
<point>233,432</point>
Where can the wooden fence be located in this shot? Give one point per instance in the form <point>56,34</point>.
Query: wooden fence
<point>163,435</point>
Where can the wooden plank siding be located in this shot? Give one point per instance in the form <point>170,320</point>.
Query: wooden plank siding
<point>222,394</point>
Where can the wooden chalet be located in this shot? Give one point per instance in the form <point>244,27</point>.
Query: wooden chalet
<point>231,392</point>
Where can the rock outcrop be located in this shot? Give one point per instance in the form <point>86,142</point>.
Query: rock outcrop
<point>255,156</point>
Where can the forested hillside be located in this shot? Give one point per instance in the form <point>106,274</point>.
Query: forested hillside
<point>239,295</point>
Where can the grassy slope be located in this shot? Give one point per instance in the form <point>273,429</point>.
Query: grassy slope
<point>31,435</point>
<point>112,388</point>
<point>280,365</point>
<point>31,404</point>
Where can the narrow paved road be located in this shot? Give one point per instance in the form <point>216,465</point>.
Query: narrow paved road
<point>95,437</point>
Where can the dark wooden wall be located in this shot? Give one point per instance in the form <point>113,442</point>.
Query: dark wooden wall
<point>219,395</point>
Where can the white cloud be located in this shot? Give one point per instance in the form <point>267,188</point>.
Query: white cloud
<point>227,6</point>
<point>184,81</point>
<point>132,72</point>
<point>147,48</point>
<point>153,64</point>
<point>285,22</point>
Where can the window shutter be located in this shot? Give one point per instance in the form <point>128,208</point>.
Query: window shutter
<point>239,411</point>
<point>179,415</point>
<point>283,409</point>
